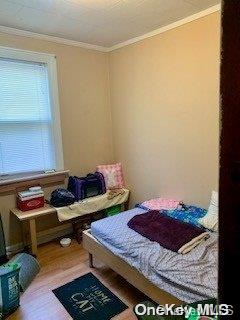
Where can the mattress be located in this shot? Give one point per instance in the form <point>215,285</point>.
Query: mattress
<point>190,277</point>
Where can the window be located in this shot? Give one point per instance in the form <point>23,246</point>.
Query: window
<point>30,135</point>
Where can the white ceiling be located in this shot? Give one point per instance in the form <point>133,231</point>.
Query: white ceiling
<point>98,22</point>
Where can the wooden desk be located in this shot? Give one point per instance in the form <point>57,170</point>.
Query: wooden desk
<point>31,216</point>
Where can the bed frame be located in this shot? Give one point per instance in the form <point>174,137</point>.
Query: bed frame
<point>132,275</point>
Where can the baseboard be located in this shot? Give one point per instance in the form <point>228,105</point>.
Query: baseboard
<point>43,237</point>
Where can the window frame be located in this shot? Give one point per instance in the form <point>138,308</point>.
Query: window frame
<point>51,63</point>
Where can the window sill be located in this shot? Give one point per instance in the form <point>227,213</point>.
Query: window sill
<point>14,184</point>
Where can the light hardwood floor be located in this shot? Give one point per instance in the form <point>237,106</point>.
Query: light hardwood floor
<point>59,266</point>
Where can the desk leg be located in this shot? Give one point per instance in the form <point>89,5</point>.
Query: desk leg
<point>25,235</point>
<point>33,235</point>
<point>90,257</point>
<point>126,204</point>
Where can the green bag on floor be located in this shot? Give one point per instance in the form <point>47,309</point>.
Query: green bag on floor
<point>9,288</point>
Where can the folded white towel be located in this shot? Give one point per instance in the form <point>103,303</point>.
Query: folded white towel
<point>193,243</point>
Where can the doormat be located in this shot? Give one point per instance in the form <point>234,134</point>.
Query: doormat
<point>86,298</point>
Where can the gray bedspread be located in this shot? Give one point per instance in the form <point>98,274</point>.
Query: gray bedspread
<point>190,277</point>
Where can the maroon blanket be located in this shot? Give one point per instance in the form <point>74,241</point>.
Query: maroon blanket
<point>170,233</point>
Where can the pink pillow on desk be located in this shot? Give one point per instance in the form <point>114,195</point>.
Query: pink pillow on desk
<point>113,175</point>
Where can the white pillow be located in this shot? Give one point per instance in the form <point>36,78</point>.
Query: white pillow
<point>210,220</point>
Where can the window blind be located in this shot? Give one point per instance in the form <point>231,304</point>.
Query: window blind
<point>26,128</point>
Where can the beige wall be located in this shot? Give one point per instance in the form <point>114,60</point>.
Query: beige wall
<point>165,104</point>
<point>84,111</point>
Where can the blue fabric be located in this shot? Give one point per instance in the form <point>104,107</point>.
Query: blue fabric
<point>139,205</point>
<point>189,214</point>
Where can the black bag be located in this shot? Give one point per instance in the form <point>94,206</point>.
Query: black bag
<point>61,198</point>
<point>84,187</point>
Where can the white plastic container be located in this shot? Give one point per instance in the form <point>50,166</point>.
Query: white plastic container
<point>35,189</point>
<point>65,242</point>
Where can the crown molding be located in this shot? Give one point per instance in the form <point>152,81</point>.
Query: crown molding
<point>29,34</point>
<point>168,27</point>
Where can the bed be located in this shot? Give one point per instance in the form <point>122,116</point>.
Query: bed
<point>163,275</point>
